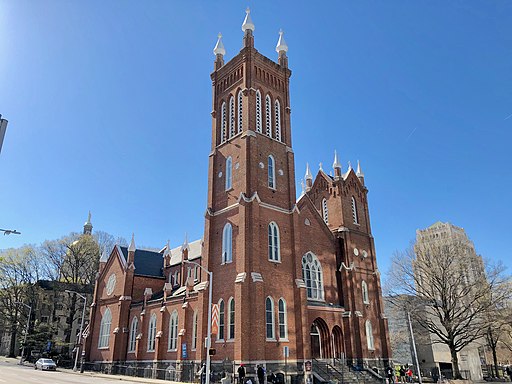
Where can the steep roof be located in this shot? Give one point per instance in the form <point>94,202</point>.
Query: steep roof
<point>147,263</point>
<point>193,253</point>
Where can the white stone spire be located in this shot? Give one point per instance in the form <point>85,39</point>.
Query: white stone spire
<point>359,173</point>
<point>336,163</point>
<point>219,47</point>
<point>104,256</point>
<point>308,176</point>
<point>88,222</point>
<point>185,243</point>
<point>168,249</point>
<point>131,248</point>
<point>349,166</point>
<point>248,24</point>
<point>281,44</point>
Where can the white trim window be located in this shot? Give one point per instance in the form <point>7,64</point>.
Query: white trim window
<point>369,336</point>
<point>283,319</point>
<point>152,333</point>
<point>240,111</point>
<point>133,334</point>
<point>325,211</point>
<point>271,172</point>
<point>173,332</point>
<point>194,330</point>
<point>274,246</point>
<point>364,287</point>
<point>227,244</point>
<point>269,318</point>
<point>106,323</point>
<point>354,211</point>
<point>231,117</point>
<point>313,276</point>
<point>268,116</point>
<point>258,111</point>
<point>277,107</point>
<point>231,318</point>
<point>220,335</point>
<point>223,133</point>
<point>229,173</point>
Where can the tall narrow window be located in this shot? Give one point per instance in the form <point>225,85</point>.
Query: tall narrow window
<point>220,336</point>
<point>227,244</point>
<point>364,288</point>
<point>312,274</point>
<point>223,132</point>
<point>325,211</point>
<point>268,116</point>
<point>258,111</point>
<point>369,336</point>
<point>277,108</point>
<point>106,322</point>
<point>271,172</point>
<point>229,172</point>
<point>194,330</point>
<point>133,335</point>
<point>269,317</point>
<point>354,211</point>
<point>231,318</point>
<point>274,252</point>
<point>173,332</point>
<point>152,333</point>
<point>231,116</point>
<point>283,321</point>
<point>240,111</point>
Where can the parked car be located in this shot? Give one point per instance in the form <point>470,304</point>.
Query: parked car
<point>45,365</point>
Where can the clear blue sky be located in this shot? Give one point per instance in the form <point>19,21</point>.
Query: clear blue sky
<point>109,106</point>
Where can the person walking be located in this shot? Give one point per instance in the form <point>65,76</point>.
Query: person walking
<point>509,372</point>
<point>402,374</point>
<point>408,373</point>
<point>241,374</point>
<point>389,374</point>
<point>261,374</point>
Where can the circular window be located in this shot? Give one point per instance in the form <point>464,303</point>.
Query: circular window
<point>365,254</point>
<point>111,283</point>
<point>356,251</point>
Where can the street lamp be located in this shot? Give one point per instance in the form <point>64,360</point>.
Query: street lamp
<point>26,329</point>
<point>81,327</point>
<point>414,347</point>
<point>209,331</point>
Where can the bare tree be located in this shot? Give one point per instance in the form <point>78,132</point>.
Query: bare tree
<point>455,292</point>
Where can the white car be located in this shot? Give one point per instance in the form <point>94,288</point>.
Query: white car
<point>45,365</point>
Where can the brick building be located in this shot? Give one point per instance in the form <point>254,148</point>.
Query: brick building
<point>287,272</point>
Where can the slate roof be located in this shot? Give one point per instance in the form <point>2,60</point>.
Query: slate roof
<point>147,263</point>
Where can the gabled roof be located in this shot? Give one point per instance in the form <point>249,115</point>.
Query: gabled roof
<point>194,252</point>
<point>147,263</point>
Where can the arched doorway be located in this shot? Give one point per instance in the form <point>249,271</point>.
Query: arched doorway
<point>337,342</point>
<point>320,340</point>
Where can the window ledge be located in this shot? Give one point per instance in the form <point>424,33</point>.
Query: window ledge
<point>220,341</point>
<point>284,340</point>
<point>150,350</point>
<point>103,348</point>
<point>171,350</point>
<point>229,189</point>
<point>131,352</point>
<point>226,262</point>
<point>230,340</point>
<point>273,340</point>
<point>275,261</point>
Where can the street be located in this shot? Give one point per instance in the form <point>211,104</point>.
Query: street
<point>16,374</point>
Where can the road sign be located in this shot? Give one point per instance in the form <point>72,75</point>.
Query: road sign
<point>307,366</point>
<point>286,351</point>
<point>215,319</point>
<point>212,351</point>
<point>184,353</point>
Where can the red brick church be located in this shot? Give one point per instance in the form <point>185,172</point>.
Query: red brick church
<point>287,272</point>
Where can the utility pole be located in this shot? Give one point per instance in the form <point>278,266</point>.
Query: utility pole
<point>3,128</point>
<point>26,329</point>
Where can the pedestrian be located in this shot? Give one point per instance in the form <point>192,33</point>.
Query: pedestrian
<point>202,373</point>
<point>241,374</point>
<point>272,378</point>
<point>261,374</point>
<point>509,372</point>
<point>389,374</point>
<point>408,373</point>
<point>402,374</point>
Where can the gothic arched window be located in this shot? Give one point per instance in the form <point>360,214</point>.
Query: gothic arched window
<point>231,318</point>
<point>277,107</point>
<point>152,333</point>
<point>231,116</point>
<point>364,287</point>
<point>220,336</point>
<point>106,322</point>
<point>173,332</point>
<point>268,116</point>
<point>133,334</point>
<point>354,211</point>
<point>223,133</point>
<point>194,330</point>
<point>369,336</point>
<point>271,172</point>
<point>240,111</point>
<point>283,321</point>
<point>229,173</point>
<point>313,276</point>
<point>227,244</point>
<point>258,111</point>
<point>325,211</point>
<point>274,251</point>
<point>269,317</point>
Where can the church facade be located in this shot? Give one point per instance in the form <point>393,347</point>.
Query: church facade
<point>287,272</point>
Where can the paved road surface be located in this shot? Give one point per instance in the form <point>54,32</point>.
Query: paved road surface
<point>16,374</point>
